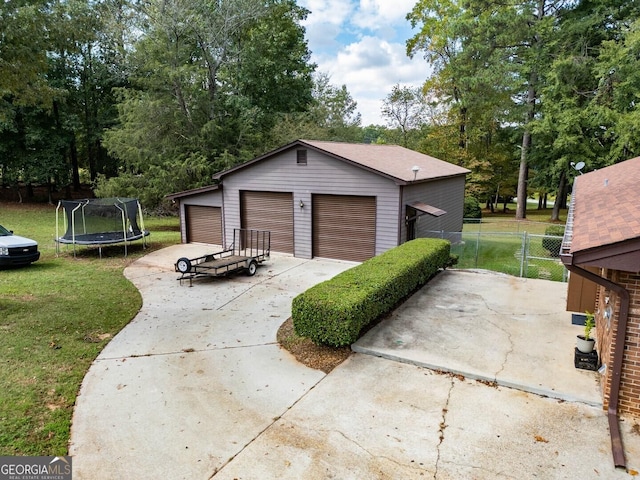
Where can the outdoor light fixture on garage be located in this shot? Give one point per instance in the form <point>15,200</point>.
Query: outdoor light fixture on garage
<point>301,204</point>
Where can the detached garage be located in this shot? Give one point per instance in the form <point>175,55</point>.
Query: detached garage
<point>329,199</point>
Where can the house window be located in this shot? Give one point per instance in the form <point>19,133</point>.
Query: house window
<point>302,157</point>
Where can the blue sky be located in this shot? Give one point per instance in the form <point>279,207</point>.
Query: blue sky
<point>362,44</point>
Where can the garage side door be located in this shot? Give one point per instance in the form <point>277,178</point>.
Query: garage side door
<point>271,211</point>
<point>204,224</point>
<point>344,227</point>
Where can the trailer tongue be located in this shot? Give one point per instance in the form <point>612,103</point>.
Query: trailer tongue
<point>249,249</point>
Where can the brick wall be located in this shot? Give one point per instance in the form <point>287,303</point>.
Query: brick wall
<point>606,333</point>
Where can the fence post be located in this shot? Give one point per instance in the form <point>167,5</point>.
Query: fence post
<point>477,249</point>
<point>524,253</point>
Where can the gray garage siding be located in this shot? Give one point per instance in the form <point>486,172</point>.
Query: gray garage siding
<point>210,199</point>
<point>321,175</point>
<point>442,193</point>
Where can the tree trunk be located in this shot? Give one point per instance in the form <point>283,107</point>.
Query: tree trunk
<point>462,141</point>
<point>564,194</point>
<point>562,191</point>
<point>75,171</point>
<point>521,210</point>
<point>50,191</point>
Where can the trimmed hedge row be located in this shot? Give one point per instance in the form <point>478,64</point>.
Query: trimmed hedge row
<point>335,311</point>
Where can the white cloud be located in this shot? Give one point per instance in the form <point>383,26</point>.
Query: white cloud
<point>370,68</point>
<point>380,14</point>
<point>361,44</point>
<point>326,21</point>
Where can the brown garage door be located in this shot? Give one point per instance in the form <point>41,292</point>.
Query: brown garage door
<point>271,211</point>
<point>204,224</point>
<point>344,227</point>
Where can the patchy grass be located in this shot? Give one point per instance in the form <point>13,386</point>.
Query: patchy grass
<point>55,317</point>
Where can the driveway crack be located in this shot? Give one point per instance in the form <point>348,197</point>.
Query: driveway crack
<point>443,425</point>
<point>509,338</point>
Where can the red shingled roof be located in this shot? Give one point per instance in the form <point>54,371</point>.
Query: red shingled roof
<point>606,206</point>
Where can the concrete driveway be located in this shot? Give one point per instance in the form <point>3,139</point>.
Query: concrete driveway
<point>195,387</point>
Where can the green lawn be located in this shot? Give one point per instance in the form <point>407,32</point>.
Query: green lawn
<point>55,317</point>
<point>497,244</point>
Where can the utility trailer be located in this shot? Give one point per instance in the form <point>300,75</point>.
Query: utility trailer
<point>249,249</point>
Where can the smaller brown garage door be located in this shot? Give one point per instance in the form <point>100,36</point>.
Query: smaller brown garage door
<point>271,211</point>
<point>204,224</point>
<point>344,227</point>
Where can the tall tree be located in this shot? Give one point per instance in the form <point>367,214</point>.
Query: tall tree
<point>331,115</point>
<point>577,120</point>
<point>207,81</point>
<point>488,57</point>
<point>404,108</point>
<point>23,57</point>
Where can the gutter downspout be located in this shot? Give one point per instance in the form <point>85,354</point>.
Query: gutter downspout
<point>616,371</point>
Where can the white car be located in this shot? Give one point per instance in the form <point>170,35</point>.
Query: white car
<point>16,250</point>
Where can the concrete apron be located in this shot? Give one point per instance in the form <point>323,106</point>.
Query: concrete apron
<point>489,327</point>
<point>196,388</point>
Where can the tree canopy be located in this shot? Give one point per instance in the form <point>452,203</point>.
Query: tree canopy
<point>149,98</point>
<point>554,73</point>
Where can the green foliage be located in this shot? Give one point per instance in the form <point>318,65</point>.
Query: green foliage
<point>335,312</point>
<point>472,208</point>
<point>152,187</point>
<point>553,242</point>
<point>589,323</point>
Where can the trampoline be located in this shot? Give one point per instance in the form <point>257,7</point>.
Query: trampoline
<point>99,221</point>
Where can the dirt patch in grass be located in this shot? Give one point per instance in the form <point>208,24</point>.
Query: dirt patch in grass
<point>320,357</point>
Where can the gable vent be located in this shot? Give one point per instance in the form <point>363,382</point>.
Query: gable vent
<point>301,157</point>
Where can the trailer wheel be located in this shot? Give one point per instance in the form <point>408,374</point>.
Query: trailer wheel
<point>251,269</point>
<point>183,265</point>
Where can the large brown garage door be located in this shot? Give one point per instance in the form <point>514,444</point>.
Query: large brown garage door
<point>204,224</point>
<point>271,211</point>
<point>344,227</point>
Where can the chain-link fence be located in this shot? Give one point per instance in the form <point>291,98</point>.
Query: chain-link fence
<point>517,253</point>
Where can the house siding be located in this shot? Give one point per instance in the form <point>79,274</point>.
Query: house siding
<point>321,175</point>
<point>210,199</point>
<point>606,335</point>
<point>446,194</point>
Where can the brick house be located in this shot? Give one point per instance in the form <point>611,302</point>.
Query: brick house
<point>602,245</point>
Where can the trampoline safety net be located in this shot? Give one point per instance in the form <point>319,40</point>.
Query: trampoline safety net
<point>100,221</point>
